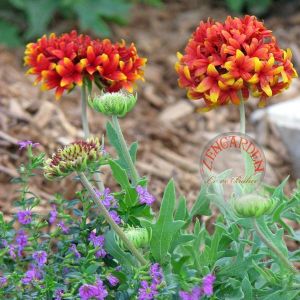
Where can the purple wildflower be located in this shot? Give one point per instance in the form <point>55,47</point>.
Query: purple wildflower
<point>118,268</point>
<point>24,217</point>
<point>113,281</point>
<point>32,274</point>
<point>63,227</point>
<point>195,294</point>
<point>156,273</point>
<point>207,284</point>
<point>147,291</point>
<point>114,215</point>
<point>26,143</point>
<point>40,257</point>
<point>53,214</point>
<point>58,294</point>
<point>11,251</point>
<point>107,198</point>
<point>144,196</point>
<point>87,291</point>
<point>98,242</point>
<point>22,241</point>
<point>73,249</point>
<point>3,281</point>
<point>101,291</point>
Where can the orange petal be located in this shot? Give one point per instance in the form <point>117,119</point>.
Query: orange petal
<point>212,71</point>
<point>254,79</point>
<point>204,85</point>
<point>267,89</point>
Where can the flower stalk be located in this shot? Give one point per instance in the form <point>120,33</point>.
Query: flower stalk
<point>271,246</point>
<point>242,115</point>
<point>122,236</point>
<point>130,165</point>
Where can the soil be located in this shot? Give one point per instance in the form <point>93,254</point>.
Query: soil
<point>170,134</point>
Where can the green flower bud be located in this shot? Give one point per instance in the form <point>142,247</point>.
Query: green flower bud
<point>139,237</point>
<point>113,104</point>
<point>251,205</point>
<point>76,157</point>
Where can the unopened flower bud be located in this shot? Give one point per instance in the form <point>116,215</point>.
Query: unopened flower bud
<point>139,237</point>
<point>251,205</point>
<point>76,157</point>
<point>113,104</point>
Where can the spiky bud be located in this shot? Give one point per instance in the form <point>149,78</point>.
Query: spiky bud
<point>251,205</point>
<point>139,237</point>
<point>76,157</point>
<point>113,104</point>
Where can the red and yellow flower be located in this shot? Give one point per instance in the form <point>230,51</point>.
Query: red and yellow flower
<point>226,61</point>
<point>62,62</point>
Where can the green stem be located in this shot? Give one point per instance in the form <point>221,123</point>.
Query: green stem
<point>130,165</point>
<point>86,130</point>
<point>270,245</point>
<point>84,119</point>
<point>110,221</point>
<point>242,115</point>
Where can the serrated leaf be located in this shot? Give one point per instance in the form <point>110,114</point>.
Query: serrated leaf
<point>132,151</point>
<point>165,228</point>
<point>201,206</point>
<point>113,249</point>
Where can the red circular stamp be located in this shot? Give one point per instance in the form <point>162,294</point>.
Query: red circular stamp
<point>232,158</point>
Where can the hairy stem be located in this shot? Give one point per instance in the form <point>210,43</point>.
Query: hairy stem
<point>110,221</point>
<point>84,119</point>
<point>86,130</point>
<point>130,165</point>
<point>270,245</point>
<point>242,115</point>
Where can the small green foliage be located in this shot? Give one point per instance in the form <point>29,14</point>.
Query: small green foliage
<point>255,7</point>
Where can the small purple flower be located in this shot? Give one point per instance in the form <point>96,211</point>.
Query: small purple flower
<point>101,293</point>
<point>24,217</point>
<point>114,215</point>
<point>26,143</point>
<point>22,241</point>
<point>118,268</point>
<point>40,257</point>
<point>147,291</point>
<point>98,242</point>
<point>207,284</point>
<point>53,214</point>
<point>156,273</point>
<point>65,229</point>
<point>113,281</point>
<point>58,294</point>
<point>73,249</point>
<point>87,291</point>
<point>195,294</point>
<point>3,281</point>
<point>144,196</point>
<point>107,198</point>
<point>11,251</point>
<point>32,274</point>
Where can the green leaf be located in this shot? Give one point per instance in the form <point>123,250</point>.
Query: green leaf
<point>235,5</point>
<point>267,274</point>
<point>121,177</point>
<point>39,13</point>
<point>247,288</point>
<point>201,206</point>
<point>113,249</point>
<point>165,228</point>
<point>91,269</point>
<point>258,7</point>
<point>132,151</point>
<point>181,211</point>
<point>9,34</point>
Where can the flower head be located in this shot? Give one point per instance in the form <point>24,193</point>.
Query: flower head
<point>147,291</point>
<point>144,196</point>
<point>3,281</point>
<point>76,157</point>
<point>113,104</point>
<point>97,291</point>
<point>58,294</point>
<point>24,216</point>
<point>40,257</point>
<point>65,229</point>
<point>98,242</point>
<point>32,274</point>
<point>22,241</point>
<point>223,61</point>
<point>107,198</point>
<point>74,250</point>
<point>61,62</point>
<point>27,143</point>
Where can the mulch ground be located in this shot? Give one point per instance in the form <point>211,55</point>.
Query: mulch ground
<point>170,134</point>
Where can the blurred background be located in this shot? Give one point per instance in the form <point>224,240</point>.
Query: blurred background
<point>171,135</point>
